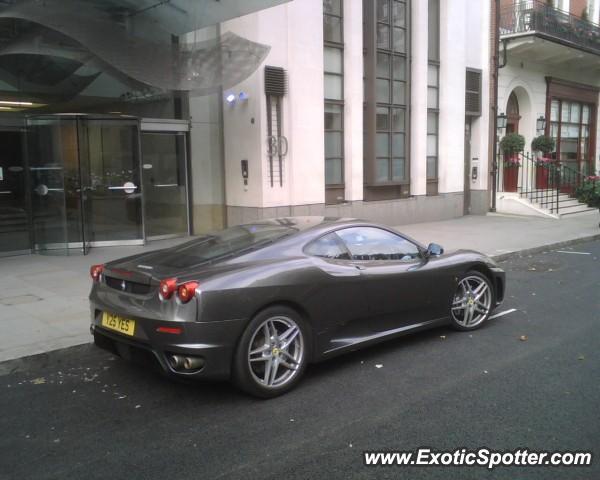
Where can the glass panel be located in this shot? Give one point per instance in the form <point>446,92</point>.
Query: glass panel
<point>432,75</point>
<point>398,120</point>
<point>333,87</point>
<point>398,145</point>
<point>382,91</point>
<point>399,14</point>
<point>432,122</point>
<point>432,97</point>
<point>333,144</point>
<point>383,65</point>
<point>55,187</point>
<point>328,246</point>
<point>432,144</point>
<point>366,243</point>
<point>431,168</point>
<point>554,130</point>
<point>399,93</point>
<point>383,11</point>
<point>332,60</point>
<point>114,199</point>
<point>399,40</point>
<point>382,170</point>
<point>398,165</point>
<point>565,111</point>
<point>554,111</point>
<point>575,110</point>
<point>399,68</point>
<point>382,118</point>
<point>14,216</point>
<point>164,181</point>
<point>333,171</point>
<point>332,29</point>
<point>333,117</point>
<point>433,30</point>
<point>332,6</point>
<point>382,145</point>
<point>383,36</point>
<point>585,115</point>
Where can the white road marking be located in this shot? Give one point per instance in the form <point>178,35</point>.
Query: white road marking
<point>576,253</point>
<point>501,314</point>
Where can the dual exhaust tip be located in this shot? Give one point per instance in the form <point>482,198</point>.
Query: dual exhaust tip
<point>185,362</point>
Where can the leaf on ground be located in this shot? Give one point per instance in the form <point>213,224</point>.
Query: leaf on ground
<point>443,337</point>
<point>379,365</point>
<point>523,338</point>
<point>38,381</point>
<point>581,357</point>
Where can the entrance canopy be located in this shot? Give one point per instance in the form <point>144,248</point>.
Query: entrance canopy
<point>57,51</point>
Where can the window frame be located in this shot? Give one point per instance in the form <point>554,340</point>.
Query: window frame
<point>334,187</point>
<point>371,77</point>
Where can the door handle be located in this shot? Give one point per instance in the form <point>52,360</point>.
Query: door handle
<point>134,187</point>
<point>159,185</point>
<point>359,267</point>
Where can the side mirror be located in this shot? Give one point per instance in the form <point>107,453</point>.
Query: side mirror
<point>434,249</point>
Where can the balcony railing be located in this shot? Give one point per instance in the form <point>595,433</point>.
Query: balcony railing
<point>536,17</point>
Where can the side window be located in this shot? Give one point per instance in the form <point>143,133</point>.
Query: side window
<point>328,246</point>
<point>368,243</point>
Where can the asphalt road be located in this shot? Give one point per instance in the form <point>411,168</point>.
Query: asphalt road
<point>82,413</point>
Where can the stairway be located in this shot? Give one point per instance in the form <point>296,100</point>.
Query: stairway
<point>567,205</point>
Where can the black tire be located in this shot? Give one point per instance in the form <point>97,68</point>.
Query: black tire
<point>246,377</point>
<point>459,319</point>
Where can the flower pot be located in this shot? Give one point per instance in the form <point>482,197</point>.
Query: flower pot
<point>511,178</point>
<point>541,176</point>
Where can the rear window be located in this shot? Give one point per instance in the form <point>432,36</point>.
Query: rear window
<point>226,243</point>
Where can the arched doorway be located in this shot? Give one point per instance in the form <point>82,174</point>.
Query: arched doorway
<point>512,114</point>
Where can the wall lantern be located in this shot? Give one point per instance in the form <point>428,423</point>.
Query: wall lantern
<point>501,122</point>
<point>540,124</point>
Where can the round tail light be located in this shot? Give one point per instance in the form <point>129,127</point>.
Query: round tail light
<point>186,291</point>
<point>96,272</point>
<point>167,287</point>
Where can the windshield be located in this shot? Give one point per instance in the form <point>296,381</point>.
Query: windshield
<point>225,243</point>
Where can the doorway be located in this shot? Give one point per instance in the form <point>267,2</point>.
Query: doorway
<point>14,201</point>
<point>88,187</point>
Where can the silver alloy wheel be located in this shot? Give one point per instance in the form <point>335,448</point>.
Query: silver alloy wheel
<point>472,301</point>
<point>276,352</point>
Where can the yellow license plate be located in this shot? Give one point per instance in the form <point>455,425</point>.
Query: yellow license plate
<point>118,323</point>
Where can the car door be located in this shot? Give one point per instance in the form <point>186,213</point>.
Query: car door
<point>402,287</point>
<point>338,296</point>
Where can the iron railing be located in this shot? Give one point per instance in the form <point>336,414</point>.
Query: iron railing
<point>546,182</point>
<point>536,17</point>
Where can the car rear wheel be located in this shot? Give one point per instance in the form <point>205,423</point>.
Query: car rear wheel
<point>272,353</point>
<point>472,302</point>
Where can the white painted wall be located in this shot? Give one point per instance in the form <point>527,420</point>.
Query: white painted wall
<point>297,46</point>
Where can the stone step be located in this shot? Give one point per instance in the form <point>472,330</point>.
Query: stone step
<point>573,209</point>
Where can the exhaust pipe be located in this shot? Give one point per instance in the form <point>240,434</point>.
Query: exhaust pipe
<point>193,363</point>
<point>176,361</point>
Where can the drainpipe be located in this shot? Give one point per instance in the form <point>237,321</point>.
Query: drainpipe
<point>497,67</point>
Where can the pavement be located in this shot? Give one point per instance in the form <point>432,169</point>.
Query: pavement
<point>43,298</point>
<point>526,379</point>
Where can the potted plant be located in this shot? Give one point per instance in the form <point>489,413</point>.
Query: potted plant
<point>511,145</point>
<point>543,145</point>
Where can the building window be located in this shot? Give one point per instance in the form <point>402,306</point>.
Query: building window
<point>570,124</point>
<point>433,95</point>
<point>386,93</point>
<point>333,67</point>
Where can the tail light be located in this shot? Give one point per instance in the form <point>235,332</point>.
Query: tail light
<point>167,288</point>
<point>96,272</point>
<point>186,291</point>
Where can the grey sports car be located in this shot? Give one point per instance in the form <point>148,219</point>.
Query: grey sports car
<point>257,303</point>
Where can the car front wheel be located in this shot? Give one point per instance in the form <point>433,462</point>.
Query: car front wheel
<point>272,353</point>
<point>472,302</point>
